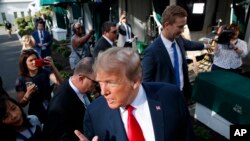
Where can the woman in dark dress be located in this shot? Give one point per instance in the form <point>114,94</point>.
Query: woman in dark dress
<point>33,85</point>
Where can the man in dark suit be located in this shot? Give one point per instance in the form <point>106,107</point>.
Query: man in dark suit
<point>43,40</point>
<point>126,35</point>
<point>164,60</point>
<point>109,35</point>
<point>66,109</point>
<point>157,109</point>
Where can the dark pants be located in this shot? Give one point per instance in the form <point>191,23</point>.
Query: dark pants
<point>237,70</point>
<point>128,44</point>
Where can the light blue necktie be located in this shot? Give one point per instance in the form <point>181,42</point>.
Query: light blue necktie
<point>176,65</point>
<point>86,100</point>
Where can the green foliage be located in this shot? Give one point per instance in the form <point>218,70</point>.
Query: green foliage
<point>28,19</point>
<point>46,10</point>
<point>55,46</point>
<point>60,49</point>
<point>66,53</point>
<point>201,133</point>
<point>25,25</point>
<point>58,65</point>
<point>65,74</point>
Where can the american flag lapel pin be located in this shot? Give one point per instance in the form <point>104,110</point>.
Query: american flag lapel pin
<point>158,108</point>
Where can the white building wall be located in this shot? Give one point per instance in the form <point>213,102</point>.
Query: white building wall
<point>10,6</point>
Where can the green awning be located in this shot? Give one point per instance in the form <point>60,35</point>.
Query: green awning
<point>55,2</point>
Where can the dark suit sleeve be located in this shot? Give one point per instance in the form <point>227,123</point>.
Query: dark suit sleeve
<point>57,128</point>
<point>35,36</point>
<point>148,66</point>
<point>48,38</point>
<point>122,30</point>
<point>192,45</point>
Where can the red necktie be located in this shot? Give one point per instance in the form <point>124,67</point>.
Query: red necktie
<point>134,129</point>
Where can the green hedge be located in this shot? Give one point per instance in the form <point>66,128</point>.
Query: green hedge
<point>25,25</point>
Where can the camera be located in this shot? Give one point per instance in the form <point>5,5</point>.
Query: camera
<point>225,36</point>
<point>40,62</point>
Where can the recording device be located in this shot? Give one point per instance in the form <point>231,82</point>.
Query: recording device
<point>225,36</point>
<point>41,62</point>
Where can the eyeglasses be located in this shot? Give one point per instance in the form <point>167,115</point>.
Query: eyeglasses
<point>91,79</point>
<point>88,78</point>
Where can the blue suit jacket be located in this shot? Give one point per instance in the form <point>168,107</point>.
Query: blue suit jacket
<point>170,123</point>
<point>157,66</point>
<point>47,39</point>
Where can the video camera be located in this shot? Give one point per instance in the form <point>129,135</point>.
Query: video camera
<point>225,36</point>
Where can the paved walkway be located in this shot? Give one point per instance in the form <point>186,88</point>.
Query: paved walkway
<point>9,53</point>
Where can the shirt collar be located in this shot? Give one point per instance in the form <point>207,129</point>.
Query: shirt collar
<point>76,90</point>
<point>108,40</point>
<point>138,101</point>
<point>166,42</point>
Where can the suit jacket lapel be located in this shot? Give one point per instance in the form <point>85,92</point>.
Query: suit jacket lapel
<point>165,53</point>
<point>156,112</point>
<point>180,44</point>
<point>117,125</point>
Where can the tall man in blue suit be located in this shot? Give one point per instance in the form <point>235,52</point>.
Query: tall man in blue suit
<point>164,60</point>
<point>158,109</point>
<point>43,40</point>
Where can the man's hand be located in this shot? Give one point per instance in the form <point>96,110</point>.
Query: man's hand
<point>82,137</point>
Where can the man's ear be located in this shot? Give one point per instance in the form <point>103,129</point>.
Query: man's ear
<point>136,84</point>
<point>166,24</point>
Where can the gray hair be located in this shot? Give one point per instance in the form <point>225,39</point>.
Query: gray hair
<point>85,67</point>
<point>117,59</point>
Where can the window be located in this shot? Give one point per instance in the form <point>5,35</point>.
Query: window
<point>3,16</point>
<point>22,13</point>
<point>198,8</point>
<point>15,15</point>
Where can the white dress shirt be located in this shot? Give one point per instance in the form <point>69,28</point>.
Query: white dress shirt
<point>168,46</point>
<point>78,93</point>
<point>108,40</point>
<point>142,115</point>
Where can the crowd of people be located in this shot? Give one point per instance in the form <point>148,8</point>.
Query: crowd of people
<point>139,99</point>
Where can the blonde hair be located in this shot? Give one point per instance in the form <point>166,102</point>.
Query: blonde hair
<point>28,42</point>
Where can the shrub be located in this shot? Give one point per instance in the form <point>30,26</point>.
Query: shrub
<point>66,53</point>
<point>60,49</point>
<point>58,66</point>
<point>25,25</point>
<point>55,46</point>
<point>65,74</point>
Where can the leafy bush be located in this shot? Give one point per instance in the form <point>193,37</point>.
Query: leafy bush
<point>65,74</point>
<point>55,46</point>
<point>60,49</point>
<point>201,133</point>
<point>58,66</point>
<point>25,25</point>
<point>66,53</point>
